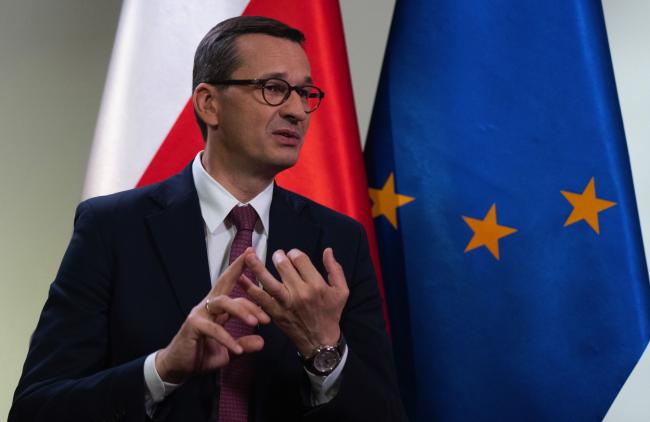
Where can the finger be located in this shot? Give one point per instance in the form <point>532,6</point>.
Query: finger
<point>218,333</point>
<point>217,314</point>
<point>216,355</point>
<point>222,319</point>
<point>261,297</point>
<point>276,289</point>
<point>228,279</point>
<point>334,270</point>
<point>233,307</point>
<point>302,263</point>
<point>288,273</point>
<point>254,309</point>
<point>251,343</point>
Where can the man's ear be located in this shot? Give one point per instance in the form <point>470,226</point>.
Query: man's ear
<point>206,105</point>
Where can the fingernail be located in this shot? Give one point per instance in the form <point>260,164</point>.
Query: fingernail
<point>277,256</point>
<point>293,253</point>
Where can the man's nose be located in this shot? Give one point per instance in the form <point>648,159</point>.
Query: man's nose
<point>294,107</point>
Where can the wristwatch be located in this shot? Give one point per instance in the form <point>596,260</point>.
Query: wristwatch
<point>324,359</point>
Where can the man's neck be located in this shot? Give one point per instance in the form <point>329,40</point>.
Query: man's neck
<point>240,183</point>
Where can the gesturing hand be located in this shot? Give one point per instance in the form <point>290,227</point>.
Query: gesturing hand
<point>202,344</point>
<point>305,307</point>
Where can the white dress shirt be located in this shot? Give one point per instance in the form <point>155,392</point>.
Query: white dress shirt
<point>216,203</point>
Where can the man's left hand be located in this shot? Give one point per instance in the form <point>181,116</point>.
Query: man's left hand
<point>304,306</point>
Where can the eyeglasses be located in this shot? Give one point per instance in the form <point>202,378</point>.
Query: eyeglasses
<point>276,91</point>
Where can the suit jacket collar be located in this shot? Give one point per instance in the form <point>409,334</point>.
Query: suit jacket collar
<point>178,232</point>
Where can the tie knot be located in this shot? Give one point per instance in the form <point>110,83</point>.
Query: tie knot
<point>244,218</point>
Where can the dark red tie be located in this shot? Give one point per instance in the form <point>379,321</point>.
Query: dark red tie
<point>237,375</point>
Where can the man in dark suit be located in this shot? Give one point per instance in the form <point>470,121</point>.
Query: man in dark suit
<point>163,308</point>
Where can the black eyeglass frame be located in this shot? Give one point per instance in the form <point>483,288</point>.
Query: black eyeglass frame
<point>261,83</point>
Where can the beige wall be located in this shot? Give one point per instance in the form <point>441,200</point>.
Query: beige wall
<point>53,61</point>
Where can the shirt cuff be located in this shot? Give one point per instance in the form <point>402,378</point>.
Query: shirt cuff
<point>155,388</point>
<point>325,387</point>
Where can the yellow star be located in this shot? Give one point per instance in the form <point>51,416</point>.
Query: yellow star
<point>385,201</point>
<point>586,206</point>
<point>487,232</point>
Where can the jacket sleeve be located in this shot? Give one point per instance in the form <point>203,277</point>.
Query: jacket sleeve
<point>368,389</point>
<point>68,373</point>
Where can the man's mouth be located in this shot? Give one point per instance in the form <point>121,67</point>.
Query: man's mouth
<point>287,136</point>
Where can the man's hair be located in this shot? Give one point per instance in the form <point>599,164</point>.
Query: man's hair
<point>216,57</point>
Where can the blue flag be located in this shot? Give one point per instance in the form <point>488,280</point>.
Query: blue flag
<point>505,212</point>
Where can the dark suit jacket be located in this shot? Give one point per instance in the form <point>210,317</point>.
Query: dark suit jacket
<point>135,267</point>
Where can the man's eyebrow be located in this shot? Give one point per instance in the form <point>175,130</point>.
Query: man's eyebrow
<point>283,75</point>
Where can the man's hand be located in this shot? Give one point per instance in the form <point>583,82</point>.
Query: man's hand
<point>202,344</point>
<point>304,306</point>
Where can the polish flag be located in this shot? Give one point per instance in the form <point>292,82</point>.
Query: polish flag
<point>146,130</point>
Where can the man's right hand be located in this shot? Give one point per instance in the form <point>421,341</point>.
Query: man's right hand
<point>202,344</point>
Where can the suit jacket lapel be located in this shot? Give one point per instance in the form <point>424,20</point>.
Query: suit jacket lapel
<point>290,227</point>
<point>179,234</point>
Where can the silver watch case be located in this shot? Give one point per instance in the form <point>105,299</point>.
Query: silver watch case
<point>325,359</point>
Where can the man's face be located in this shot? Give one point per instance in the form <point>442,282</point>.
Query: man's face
<point>251,134</point>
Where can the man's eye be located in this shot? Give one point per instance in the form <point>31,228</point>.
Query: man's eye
<point>275,88</point>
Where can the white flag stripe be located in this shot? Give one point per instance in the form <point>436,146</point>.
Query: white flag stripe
<point>632,403</point>
<point>149,82</point>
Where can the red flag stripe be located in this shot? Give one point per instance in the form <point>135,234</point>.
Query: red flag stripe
<point>181,144</point>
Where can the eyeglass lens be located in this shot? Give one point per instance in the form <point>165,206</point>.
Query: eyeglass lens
<point>277,91</point>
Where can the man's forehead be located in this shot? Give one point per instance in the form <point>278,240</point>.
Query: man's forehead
<point>282,75</point>
<point>274,57</point>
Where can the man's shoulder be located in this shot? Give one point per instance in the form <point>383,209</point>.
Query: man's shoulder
<point>142,200</point>
<point>120,203</point>
<point>120,199</point>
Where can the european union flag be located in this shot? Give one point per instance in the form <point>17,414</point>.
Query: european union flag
<point>505,212</point>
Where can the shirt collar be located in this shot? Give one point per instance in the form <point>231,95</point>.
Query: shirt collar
<point>216,202</point>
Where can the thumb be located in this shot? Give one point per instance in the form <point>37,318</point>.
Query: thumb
<point>334,270</point>
<point>228,279</point>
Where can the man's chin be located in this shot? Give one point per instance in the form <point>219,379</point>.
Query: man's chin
<point>285,161</point>
<point>271,169</point>
<point>280,167</point>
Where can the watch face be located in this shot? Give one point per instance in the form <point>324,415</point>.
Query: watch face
<point>327,359</point>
